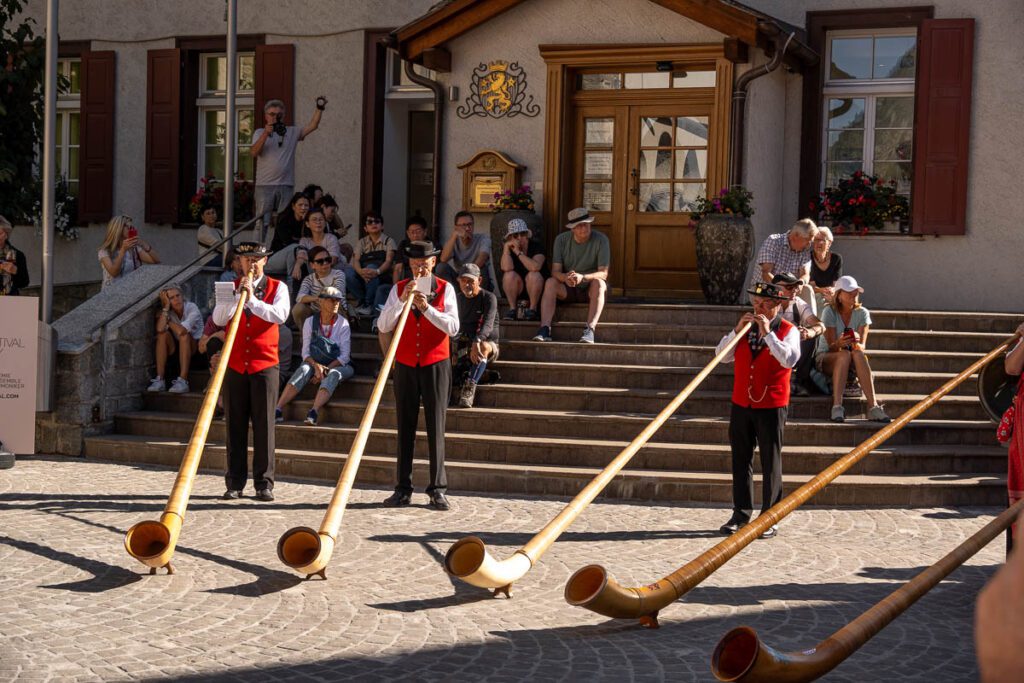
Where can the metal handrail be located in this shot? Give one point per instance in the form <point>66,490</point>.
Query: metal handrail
<point>173,276</point>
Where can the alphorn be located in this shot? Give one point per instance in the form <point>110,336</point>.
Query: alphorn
<point>308,551</point>
<point>741,656</point>
<point>591,587</point>
<point>152,542</point>
<point>469,559</point>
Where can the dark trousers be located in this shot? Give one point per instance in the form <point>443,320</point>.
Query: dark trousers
<point>761,427</point>
<point>802,371</point>
<point>432,384</point>
<point>250,396</point>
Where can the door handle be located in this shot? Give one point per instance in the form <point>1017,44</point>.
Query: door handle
<point>635,189</point>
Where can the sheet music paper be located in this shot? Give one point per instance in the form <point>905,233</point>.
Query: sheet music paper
<point>224,293</point>
<point>423,284</point>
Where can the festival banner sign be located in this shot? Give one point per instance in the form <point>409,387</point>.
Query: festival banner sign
<point>19,331</point>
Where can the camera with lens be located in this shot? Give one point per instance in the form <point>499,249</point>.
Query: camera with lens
<point>278,126</point>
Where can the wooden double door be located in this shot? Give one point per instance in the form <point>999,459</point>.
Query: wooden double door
<point>639,169</point>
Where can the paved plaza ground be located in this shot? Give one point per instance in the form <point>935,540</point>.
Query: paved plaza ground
<point>74,606</point>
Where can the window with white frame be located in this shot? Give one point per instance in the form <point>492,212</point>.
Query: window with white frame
<point>69,110</point>
<point>399,84</point>
<point>869,105</point>
<point>212,126</point>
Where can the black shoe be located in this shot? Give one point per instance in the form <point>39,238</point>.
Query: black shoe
<point>770,532</point>
<point>531,314</point>
<point>265,495</point>
<point>397,499</point>
<point>511,314</point>
<point>543,334</point>
<point>732,526</point>
<point>439,502</point>
<point>231,494</point>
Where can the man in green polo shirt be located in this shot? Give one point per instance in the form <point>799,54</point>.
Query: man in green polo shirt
<point>579,274</point>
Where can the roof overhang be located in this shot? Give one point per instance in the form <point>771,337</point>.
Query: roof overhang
<point>450,19</point>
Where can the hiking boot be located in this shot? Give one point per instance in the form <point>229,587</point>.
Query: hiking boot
<point>467,394</point>
<point>543,334</point>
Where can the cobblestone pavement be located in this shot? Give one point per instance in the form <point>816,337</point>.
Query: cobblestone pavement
<point>76,607</point>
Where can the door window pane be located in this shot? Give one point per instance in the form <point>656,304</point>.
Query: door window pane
<point>597,165</point>
<point>845,145</point>
<point>851,58</point>
<point>691,163</point>
<point>657,79</point>
<point>685,196</point>
<point>847,112</point>
<point>894,112</point>
<point>656,131</point>
<point>597,196</point>
<point>693,79</point>
<point>655,197</point>
<point>692,131</point>
<point>599,132</point>
<point>895,56</point>
<point>599,81</point>
<point>655,164</point>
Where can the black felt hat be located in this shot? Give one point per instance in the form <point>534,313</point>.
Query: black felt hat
<point>767,290</point>
<point>424,249</point>
<point>251,249</point>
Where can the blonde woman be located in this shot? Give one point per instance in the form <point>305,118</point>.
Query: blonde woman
<point>123,250</point>
<point>846,336</point>
<point>826,267</point>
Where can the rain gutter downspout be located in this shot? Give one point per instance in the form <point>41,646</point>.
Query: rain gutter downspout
<point>438,90</point>
<point>739,104</point>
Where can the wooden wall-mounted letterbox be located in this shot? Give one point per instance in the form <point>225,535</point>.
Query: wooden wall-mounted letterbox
<point>487,173</point>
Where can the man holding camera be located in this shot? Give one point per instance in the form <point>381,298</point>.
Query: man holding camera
<point>273,148</point>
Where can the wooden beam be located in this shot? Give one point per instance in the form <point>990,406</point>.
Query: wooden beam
<point>736,51</point>
<point>437,59</point>
<point>732,21</point>
<point>459,18</point>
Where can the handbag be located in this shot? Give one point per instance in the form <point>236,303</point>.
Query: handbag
<point>323,350</point>
<point>1004,432</point>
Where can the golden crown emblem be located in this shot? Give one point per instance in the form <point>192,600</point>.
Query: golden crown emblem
<point>498,65</point>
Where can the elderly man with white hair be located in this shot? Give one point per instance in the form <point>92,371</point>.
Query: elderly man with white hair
<point>13,267</point>
<point>788,252</point>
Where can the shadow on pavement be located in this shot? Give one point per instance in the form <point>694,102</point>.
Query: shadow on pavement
<point>105,576</point>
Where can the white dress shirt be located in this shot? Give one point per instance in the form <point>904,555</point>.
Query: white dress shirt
<point>785,350</point>
<point>447,321</point>
<point>276,312</point>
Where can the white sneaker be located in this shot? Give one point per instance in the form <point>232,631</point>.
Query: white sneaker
<point>179,386</point>
<point>157,384</point>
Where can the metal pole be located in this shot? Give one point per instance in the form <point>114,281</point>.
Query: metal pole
<point>49,156</point>
<point>231,132</point>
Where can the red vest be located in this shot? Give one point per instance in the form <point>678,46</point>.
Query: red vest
<point>255,346</point>
<point>761,382</point>
<point>421,342</point>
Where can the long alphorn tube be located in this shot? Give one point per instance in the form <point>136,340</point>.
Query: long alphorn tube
<point>152,542</point>
<point>591,587</point>
<point>309,551</point>
<point>469,560</point>
<point>741,656</point>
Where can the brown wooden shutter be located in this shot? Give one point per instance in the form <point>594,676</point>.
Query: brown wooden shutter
<point>163,134</point>
<point>275,79</point>
<point>96,153</point>
<point>943,125</point>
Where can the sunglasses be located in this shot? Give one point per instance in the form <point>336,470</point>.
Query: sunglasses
<point>321,261</point>
<point>373,221</point>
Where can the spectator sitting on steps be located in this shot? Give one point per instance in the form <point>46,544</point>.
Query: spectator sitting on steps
<point>579,274</point>
<point>13,267</point>
<point>179,325</point>
<point>798,312</point>
<point>371,265</point>
<point>788,252</point>
<point>846,336</point>
<point>464,246</point>
<point>477,342</point>
<point>522,269</point>
<point>209,234</point>
<point>326,356</point>
<point>324,275</point>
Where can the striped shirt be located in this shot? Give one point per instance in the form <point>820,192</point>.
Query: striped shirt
<point>313,285</point>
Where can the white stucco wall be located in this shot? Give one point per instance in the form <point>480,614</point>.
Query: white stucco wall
<point>920,272</point>
<point>328,40</point>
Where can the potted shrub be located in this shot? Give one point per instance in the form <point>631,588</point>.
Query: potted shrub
<point>725,243</point>
<point>508,205</point>
<point>211,191</point>
<point>861,203</point>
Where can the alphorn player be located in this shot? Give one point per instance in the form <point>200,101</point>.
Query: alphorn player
<point>422,370</point>
<point>251,382</point>
<point>760,397</point>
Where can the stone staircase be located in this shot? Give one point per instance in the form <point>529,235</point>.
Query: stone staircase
<point>564,409</point>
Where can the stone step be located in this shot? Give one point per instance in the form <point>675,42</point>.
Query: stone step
<point>699,356</point>
<point>553,451</point>
<point>653,333</point>
<point>726,316</point>
<point>675,378</point>
<point>695,487</point>
<point>600,425</point>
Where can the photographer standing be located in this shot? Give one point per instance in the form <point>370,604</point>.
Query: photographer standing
<point>273,148</point>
